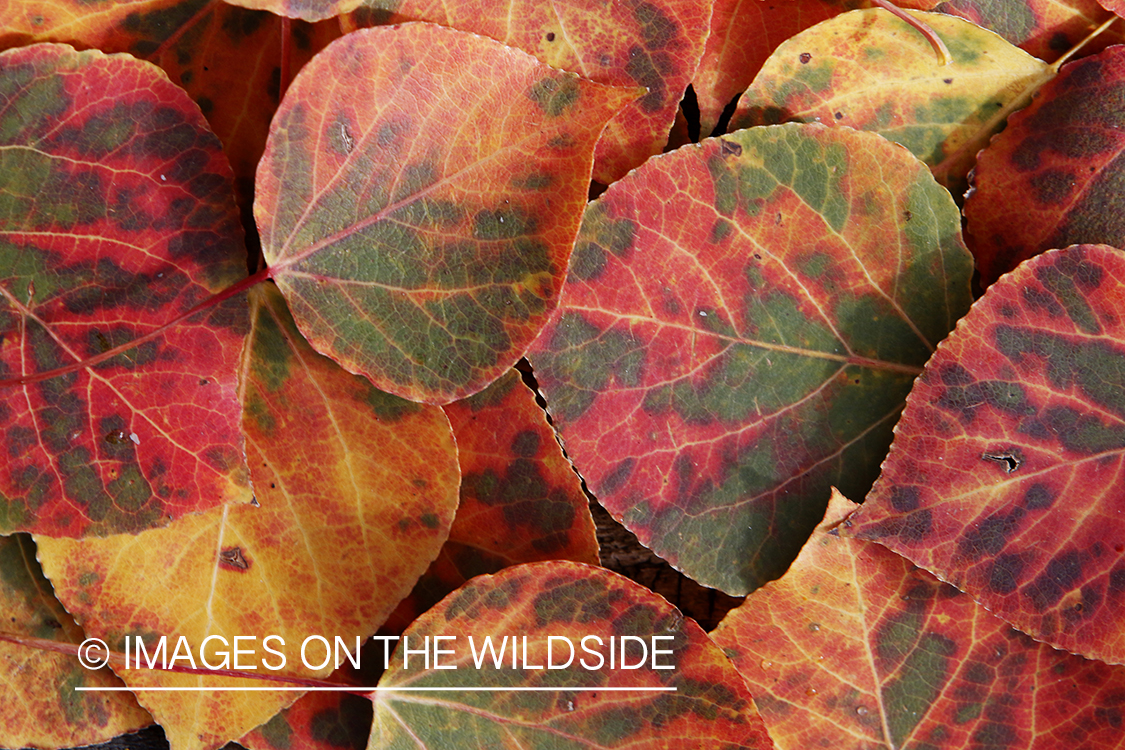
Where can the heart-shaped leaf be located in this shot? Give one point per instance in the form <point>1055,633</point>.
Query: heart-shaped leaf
<point>418,201</point>
<point>356,491</point>
<point>651,43</point>
<point>869,70</point>
<point>856,648</point>
<point>1005,477</point>
<point>1056,175</point>
<point>117,217</point>
<point>536,612</point>
<point>51,713</point>
<point>741,325</point>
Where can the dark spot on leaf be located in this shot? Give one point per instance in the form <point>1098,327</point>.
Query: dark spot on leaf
<point>1061,575</point>
<point>555,94</point>
<point>955,374</point>
<point>116,437</point>
<point>618,476</point>
<point>990,536</point>
<point>1039,497</point>
<point>947,80</point>
<point>838,115</point>
<point>805,57</point>
<point>648,69</point>
<point>526,444</point>
<point>905,499</point>
<point>346,726</point>
<point>1004,574</point>
<point>550,36</point>
<point>730,148</point>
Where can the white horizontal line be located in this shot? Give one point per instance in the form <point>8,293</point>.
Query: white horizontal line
<point>347,689</point>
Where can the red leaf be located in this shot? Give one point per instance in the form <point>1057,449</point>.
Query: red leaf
<point>520,499</point>
<point>1007,474</point>
<point>1055,176</point>
<point>119,216</point>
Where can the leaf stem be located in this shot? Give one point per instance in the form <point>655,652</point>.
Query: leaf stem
<point>1078,47</point>
<point>979,140</point>
<point>214,299</point>
<point>923,28</point>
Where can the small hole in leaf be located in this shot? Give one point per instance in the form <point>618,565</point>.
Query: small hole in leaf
<point>805,57</point>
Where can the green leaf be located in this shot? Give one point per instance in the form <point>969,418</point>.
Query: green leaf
<point>741,325</point>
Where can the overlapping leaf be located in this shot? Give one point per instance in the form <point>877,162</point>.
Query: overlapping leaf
<point>317,721</point>
<point>1007,476</point>
<point>1045,28</point>
<point>656,44</point>
<point>50,713</point>
<point>520,499</point>
<point>1056,175</point>
<point>743,34</point>
<point>116,216</point>
<point>356,491</point>
<point>857,648</point>
<point>228,59</point>
<point>869,70</point>
<point>708,706</point>
<point>418,200</point>
<point>306,10</point>
<point>741,324</point>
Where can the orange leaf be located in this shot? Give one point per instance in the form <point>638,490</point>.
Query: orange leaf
<point>42,683</point>
<point>652,43</point>
<point>356,491</point>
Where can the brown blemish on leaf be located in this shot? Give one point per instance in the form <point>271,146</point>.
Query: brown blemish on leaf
<point>232,558</point>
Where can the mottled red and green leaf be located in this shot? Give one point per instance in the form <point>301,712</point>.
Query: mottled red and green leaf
<point>418,200</point>
<point>118,216</point>
<point>1007,474</point>
<point>699,702</point>
<point>856,648</point>
<point>227,58</point>
<point>741,325</point>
